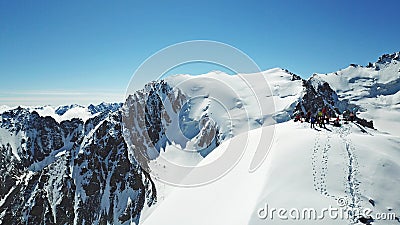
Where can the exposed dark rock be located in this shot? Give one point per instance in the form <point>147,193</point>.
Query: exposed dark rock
<point>371,201</point>
<point>366,220</point>
<point>387,58</point>
<point>294,76</point>
<point>314,100</point>
<point>365,123</point>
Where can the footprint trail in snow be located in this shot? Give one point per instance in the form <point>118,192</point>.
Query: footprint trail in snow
<point>320,163</point>
<point>320,159</point>
<point>352,183</point>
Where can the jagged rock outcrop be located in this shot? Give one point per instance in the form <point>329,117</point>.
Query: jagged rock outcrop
<point>388,58</point>
<point>318,95</point>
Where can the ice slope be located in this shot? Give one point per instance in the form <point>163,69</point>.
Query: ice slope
<point>305,168</point>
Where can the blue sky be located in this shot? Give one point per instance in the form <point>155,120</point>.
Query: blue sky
<point>59,52</point>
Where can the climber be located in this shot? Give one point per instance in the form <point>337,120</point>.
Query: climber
<point>351,116</point>
<point>297,118</point>
<point>312,120</point>
<point>319,114</point>
<point>308,116</point>
<point>319,117</point>
<point>321,120</point>
<point>327,117</point>
<point>323,111</point>
<point>336,123</point>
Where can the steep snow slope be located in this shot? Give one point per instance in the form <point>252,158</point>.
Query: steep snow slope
<point>305,168</point>
<point>241,102</point>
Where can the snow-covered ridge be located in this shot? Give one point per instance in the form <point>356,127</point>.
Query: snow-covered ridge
<point>275,89</point>
<point>68,112</point>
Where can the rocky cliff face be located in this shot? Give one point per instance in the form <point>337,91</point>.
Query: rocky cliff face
<point>69,172</point>
<point>158,116</point>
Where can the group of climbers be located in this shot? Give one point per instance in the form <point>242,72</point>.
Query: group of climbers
<point>320,118</point>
